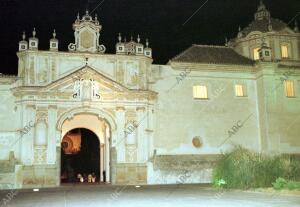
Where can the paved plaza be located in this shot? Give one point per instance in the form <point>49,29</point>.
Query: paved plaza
<point>160,196</point>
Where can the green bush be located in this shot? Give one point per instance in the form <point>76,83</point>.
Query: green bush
<point>243,168</point>
<point>281,183</point>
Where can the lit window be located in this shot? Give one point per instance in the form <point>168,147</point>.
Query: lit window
<point>200,92</point>
<point>239,90</point>
<point>256,53</point>
<point>284,51</point>
<point>289,88</point>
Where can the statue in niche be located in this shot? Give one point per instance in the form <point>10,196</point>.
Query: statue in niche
<point>86,90</point>
<point>77,89</point>
<point>132,74</point>
<point>95,89</point>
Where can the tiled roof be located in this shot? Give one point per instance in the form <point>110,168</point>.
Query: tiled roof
<point>212,55</point>
<point>262,26</point>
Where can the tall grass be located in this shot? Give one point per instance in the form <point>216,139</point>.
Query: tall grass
<point>242,168</point>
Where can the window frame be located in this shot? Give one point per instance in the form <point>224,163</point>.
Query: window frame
<point>286,92</point>
<point>200,85</point>
<point>286,46</point>
<point>244,90</point>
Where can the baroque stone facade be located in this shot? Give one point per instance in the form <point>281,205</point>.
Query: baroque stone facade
<point>155,123</point>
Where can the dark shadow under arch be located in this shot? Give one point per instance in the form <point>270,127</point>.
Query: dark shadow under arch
<point>85,161</point>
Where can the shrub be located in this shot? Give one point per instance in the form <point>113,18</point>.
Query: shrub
<point>243,168</point>
<point>281,183</point>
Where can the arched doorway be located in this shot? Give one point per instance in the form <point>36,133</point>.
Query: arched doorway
<point>95,126</point>
<point>80,157</point>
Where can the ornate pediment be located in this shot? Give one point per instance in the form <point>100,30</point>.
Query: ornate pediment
<point>85,84</point>
<point>87,34</point>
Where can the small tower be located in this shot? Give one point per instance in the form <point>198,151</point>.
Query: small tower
<point>54,42</point>
<point>240,34</point>
<point>265,52</point>
<point>120,46</point>
<point>23,44</point>
<point>148,50</point>
<point>139,48</point>
<point>33,41</point>
<point>262,13</point>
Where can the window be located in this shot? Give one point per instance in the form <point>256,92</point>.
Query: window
<point>289,88</point>
<point>284,51</point>
<point>267,53</point>
<point>256,53</point>
<point>239,90</point>
<point>200,92</point>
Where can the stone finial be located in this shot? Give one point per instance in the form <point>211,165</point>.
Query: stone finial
<point>33,32</point>
<point>120,37</point>
<point>54,34</point>
<point>87,12</point>
<point>138,38</point>
<point>296,28</point>
<point>270,28</point>
<point>24,36</point>
<point>147,43</point>
<point>96,17</point>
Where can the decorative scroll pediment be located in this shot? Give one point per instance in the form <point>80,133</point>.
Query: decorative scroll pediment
<point>85,84</point>
<point>87,34</point>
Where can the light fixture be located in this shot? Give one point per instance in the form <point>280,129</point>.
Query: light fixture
<point>36,190</point>
<point>137,186</point>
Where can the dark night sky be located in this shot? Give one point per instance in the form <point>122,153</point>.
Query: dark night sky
<point>160,21</point>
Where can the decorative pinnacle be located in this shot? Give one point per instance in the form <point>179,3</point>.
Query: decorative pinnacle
<point>33,32</point>
<point>147,43</point>
<point>23,35</point>
<point>86,12</point>
<point>296,28</point>
<point>78,16</point>
<point>240,28</point>
<point>96,17</point>
<point>54,34</point>
<point>120,37</point>
<point>138,38</point>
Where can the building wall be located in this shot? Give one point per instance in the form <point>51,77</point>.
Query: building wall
<point>163,149</point>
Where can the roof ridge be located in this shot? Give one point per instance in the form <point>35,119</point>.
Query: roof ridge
<point>180,54</point>
<point>212,46</point>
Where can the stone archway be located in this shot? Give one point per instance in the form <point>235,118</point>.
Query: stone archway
<point>99,122</point>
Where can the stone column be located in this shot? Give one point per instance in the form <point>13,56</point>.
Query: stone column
<point>107,153</point>
<point>26,139</point>
<point>102,161</point>
<point>150,131</point>
<point>120,139</point>
<point>40,142</point>
<point>141,134</point>
<point>51,149</point>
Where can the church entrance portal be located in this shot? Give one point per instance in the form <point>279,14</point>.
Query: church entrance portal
<point>80,157</point>
<point>85,149</point>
